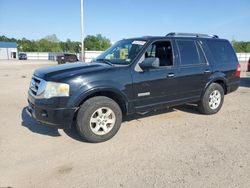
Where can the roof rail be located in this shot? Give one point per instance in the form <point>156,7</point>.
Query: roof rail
<point>173,34</point>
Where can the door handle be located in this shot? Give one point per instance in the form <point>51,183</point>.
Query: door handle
<point>170,75</point>
<point>207,71</point>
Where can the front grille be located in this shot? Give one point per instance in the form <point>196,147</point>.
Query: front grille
<point>37,86</point>
<point>34,85</point>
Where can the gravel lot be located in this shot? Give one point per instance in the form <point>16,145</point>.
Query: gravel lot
<point>174,148</point>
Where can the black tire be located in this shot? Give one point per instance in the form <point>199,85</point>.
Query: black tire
<point>203,105</point>
<point>85,113</point>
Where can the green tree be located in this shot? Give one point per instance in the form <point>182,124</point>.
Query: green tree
<point>97,42</point>
<point>70,46</point>
<point>241,46</point>
<point>6,39</point>
<point>26,45</point>
<point>52,38</point>
<point>51,43</point>
<point>248,47</point>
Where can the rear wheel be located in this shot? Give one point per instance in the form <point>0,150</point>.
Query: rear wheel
<point>212,99</point>
<point>99,119</point>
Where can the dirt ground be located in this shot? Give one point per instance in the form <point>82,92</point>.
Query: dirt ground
<point>169,148</point>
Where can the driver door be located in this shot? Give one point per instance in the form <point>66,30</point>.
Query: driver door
<point>156,87</point>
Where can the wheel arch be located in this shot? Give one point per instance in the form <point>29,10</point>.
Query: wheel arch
<point>223,84</point>
<point>220,80</point>
<point>111,93</point>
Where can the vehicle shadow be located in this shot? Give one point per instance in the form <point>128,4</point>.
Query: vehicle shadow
<point>72,133</point>
<point>189,108</point>
<point>138,116</point>
<point>40,128</point>
<point>245,81</point>
<point>37,127</point>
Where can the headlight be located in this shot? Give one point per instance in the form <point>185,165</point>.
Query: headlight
<point>54,89</point>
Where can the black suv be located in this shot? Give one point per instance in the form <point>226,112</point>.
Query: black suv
<point>135,76</point>
<point>66,58</point>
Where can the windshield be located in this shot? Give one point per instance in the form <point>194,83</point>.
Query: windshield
<point>123,52</point>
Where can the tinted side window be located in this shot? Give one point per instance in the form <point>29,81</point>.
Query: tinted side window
<point>222,51</point>
<point>188,52</point>
<point>161,50</point>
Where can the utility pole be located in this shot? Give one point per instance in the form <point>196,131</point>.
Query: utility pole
<point>82,34</point>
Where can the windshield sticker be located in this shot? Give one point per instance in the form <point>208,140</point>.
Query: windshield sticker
<point>139,42</point>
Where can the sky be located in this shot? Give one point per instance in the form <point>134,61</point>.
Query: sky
<point>118,19</point>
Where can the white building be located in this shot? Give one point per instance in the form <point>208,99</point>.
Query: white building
<point>8,50</point>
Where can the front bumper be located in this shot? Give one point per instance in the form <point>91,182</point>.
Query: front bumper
<point>50,111</point>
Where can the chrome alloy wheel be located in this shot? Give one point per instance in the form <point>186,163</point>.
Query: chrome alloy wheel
<point>214,99</point>
<point>102,121</point>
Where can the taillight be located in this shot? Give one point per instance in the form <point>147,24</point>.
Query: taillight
<point>237,73</point>
<point>248,65</point>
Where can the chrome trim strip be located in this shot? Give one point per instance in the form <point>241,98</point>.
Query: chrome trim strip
<point>33,89</point>
<point>143,94</point>
<point>28,112</point>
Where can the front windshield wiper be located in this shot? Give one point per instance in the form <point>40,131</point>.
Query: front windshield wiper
<point>107,61</point>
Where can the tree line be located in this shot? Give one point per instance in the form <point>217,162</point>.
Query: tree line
<point>241,46</point>
<point>52,44</point>
<point>98,42</point>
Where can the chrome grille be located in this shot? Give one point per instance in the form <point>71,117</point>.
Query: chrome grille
<point>37,86</point>
<point>34,85</point>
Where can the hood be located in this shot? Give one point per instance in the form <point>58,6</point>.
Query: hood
<point>58,72</point>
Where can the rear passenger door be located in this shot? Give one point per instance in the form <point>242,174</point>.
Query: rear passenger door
<point>194,69</point>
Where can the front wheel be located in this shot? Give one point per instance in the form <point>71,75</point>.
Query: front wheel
<point>99,119</point>
<point>212,99</point>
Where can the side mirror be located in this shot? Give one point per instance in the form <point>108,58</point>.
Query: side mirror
<point>150,63</point>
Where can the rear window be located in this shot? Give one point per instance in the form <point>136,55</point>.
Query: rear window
<point>188,52</point>
<point>222,51</point>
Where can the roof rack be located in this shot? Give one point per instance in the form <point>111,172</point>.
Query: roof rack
<point>173,34</point>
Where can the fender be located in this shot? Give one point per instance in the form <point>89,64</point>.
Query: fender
<point>98,86</point>
<point>215,77</point>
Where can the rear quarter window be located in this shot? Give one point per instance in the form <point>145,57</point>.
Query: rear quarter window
<point>222,52</point>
